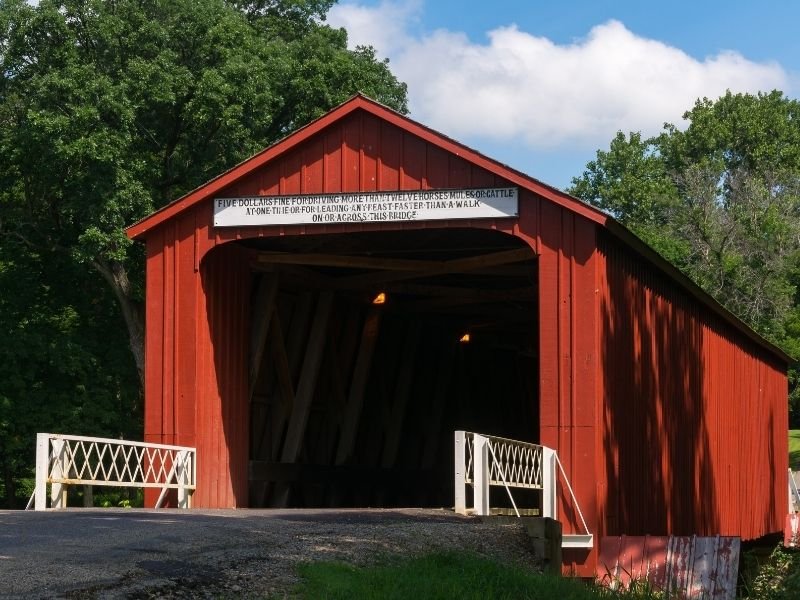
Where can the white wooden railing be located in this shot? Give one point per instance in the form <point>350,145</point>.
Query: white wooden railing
<point>63,460</point>
<point>794,493</point>
<point>482,461</point>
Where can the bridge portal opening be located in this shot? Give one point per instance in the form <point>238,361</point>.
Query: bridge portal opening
<point>368,350</point>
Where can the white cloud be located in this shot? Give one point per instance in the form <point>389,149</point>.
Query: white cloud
<point>522,87</point>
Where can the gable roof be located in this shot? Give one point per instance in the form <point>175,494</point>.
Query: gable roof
<point>139,229</point>
<point>361,102</point>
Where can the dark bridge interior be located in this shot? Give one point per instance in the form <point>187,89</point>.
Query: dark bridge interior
<point>361,371</point>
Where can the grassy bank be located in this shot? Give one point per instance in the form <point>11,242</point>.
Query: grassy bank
<point>462,575</point>
<point>794,449</point>
<point>444,575</point>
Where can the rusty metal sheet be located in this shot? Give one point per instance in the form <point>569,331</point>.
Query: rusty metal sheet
<point>685,567</point>
<point>791,532</point>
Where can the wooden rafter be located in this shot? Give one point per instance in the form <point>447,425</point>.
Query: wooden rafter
<point>282,389</point>
<point>438,404</point>
<point>402,392</point>
<point>445,304</point>
<point>342,260</point>
<point>450,291</point>
<point>308,379</point>
<point>438,267</point>
<point>355,399</point>
<point>263,308</point>
<point>388,269</point>
<point>306,274</point>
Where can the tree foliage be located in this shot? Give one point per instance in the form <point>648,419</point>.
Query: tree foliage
<point>110,109</point>
<point>720,198</point>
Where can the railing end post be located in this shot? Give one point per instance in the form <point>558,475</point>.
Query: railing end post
<point>480,466</point>
<point>549,483</point>
<point>460,473</point>
<point>42,464</point>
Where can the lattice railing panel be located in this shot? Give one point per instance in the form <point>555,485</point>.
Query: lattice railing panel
<point>512,463</point>
<point>97,461</point>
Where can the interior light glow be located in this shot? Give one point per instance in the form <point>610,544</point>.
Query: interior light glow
<point>380,298</point>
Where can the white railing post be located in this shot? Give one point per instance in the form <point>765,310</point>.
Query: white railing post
<point>789,483</point>
<point>58,491</point>
<point>480,469</point>
<point>182,474</point>
<point>549,487</point>
<point>42,464</point>
<point>460,470</point>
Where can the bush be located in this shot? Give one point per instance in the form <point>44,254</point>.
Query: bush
<point>778,578</point>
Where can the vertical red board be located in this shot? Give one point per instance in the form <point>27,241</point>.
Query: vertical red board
<point>270,181</point>
<point>437,168</point>
<point>527,226</point>
<point>391,148</point>
<point>186,289</point>
<point>291,174</point>
<point>154,337</point>
<point>370,144</point>
<point>549,349</point>
<point>351,154</point>
<point>481,178</point>
<point>566,323</point>
<point>168,328</point>
<point>413,169</point>
<point>460,172</point>
<point>332,178</point>
<point>313,166</point>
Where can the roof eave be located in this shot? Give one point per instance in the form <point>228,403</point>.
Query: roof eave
<point>640,247</point>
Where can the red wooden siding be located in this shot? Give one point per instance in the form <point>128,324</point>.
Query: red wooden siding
<point>568,357</point>
<point>694,414</point>
<point>668,417</point>
<point>360,153</point>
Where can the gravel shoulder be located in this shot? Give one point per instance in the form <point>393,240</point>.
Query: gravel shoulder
<point>130,553</point>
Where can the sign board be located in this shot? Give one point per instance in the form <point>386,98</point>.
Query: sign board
<point>367,207</point>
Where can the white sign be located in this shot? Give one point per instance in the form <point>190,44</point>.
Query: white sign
<point>367,207</point>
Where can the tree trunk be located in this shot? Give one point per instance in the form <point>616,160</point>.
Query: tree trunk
<point>8,480</point>
<point>132,311</point>
<point>11,488</point>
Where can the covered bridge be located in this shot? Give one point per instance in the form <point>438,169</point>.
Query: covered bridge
<point>306,321</point>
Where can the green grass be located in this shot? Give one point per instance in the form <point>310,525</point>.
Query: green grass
<point>443,575</point>
<point>794,449</point>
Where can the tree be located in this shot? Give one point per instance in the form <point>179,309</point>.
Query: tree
<point>64,366</point>
<point>630,182</point>
<point>720,198</point>
<point>109,109</point>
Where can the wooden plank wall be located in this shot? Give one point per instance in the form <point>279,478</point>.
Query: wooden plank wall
<point>568,347</point>
<point>693,428</point>
<point>364,153</point>
<point>636,381</point>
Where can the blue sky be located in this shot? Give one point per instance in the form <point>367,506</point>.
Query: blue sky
<point>542,85</point>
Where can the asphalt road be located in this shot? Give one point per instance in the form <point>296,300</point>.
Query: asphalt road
<point>124,553</point>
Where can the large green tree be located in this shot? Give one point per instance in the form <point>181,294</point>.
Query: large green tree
<point>719,196</point>
<point>109,109</point>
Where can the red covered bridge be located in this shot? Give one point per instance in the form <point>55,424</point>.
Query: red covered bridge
<point>265,348</point>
